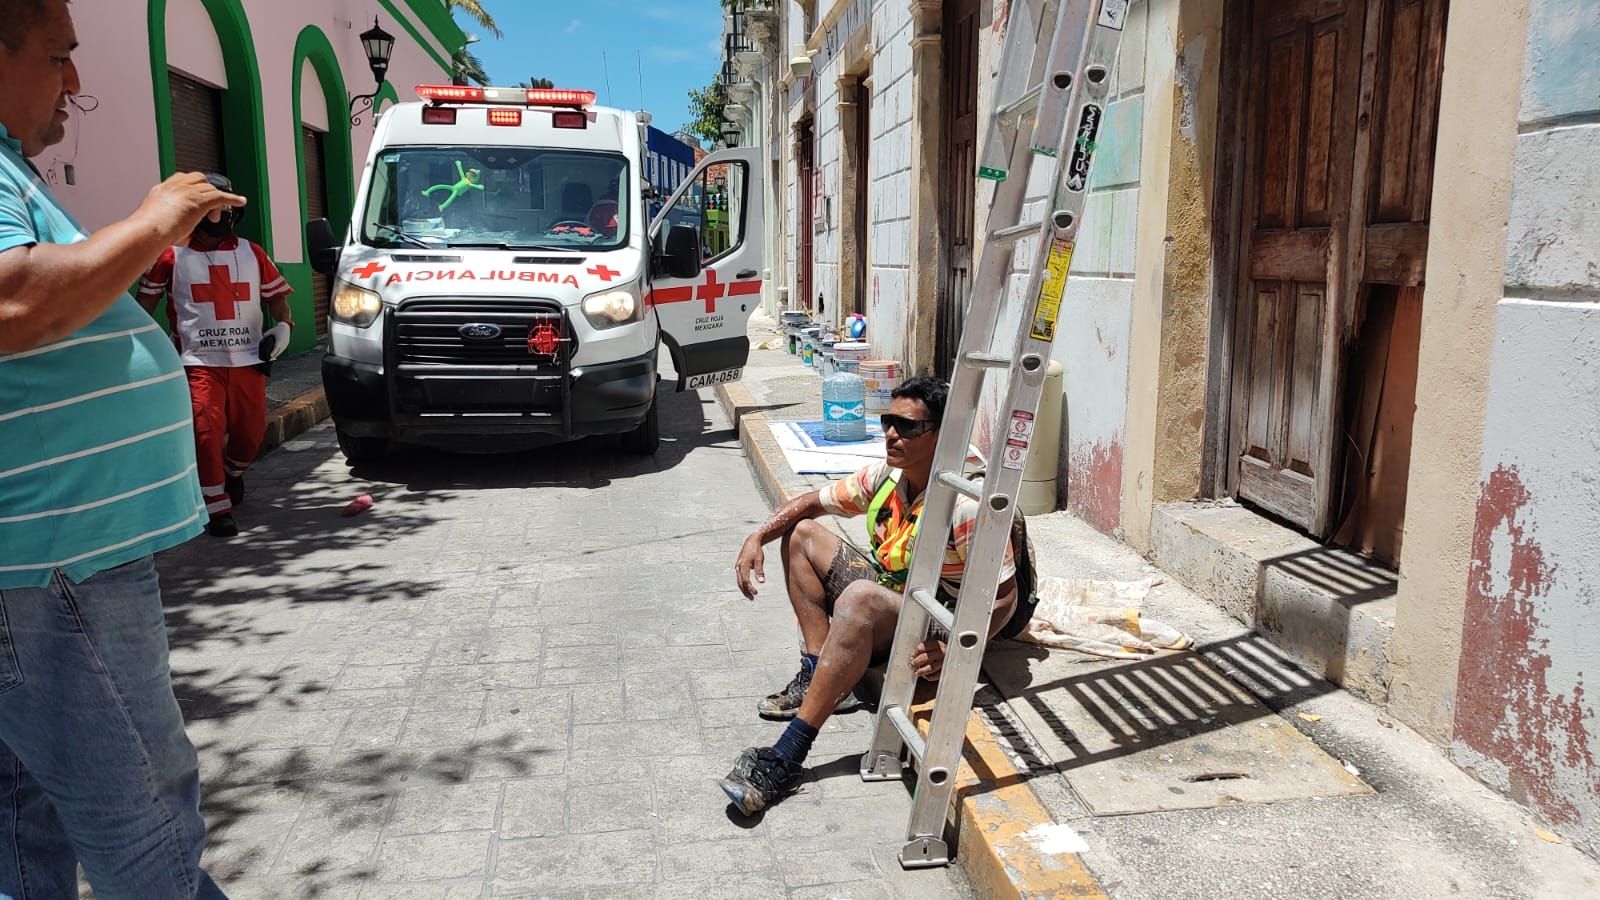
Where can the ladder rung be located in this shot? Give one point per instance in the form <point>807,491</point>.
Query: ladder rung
<point>963,486</point>
<point>987,360</point>
<point>929,601</point>
<point>1026,103</point>
<point>1014,233</point>
<point>909,735</point>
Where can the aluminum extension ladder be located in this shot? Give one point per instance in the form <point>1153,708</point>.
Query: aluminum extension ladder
<point>1055,71</point>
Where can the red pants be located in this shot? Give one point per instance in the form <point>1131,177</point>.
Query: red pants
<point>230,418</point>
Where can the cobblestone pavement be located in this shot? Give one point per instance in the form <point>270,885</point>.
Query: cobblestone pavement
<point>514,677</point>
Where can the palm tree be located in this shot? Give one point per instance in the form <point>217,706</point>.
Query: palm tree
<point>466,67</point>
<point>536,83</point>
<point>475,11</point>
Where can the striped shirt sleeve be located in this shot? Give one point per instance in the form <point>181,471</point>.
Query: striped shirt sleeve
<point>851,495</point>
<point>16,225</point>
<point>273,284</point>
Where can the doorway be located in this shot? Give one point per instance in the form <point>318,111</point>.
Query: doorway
<point>1339,113</point>
<point>959,160</point>
<point>861,162</point>
<point>805,156</point>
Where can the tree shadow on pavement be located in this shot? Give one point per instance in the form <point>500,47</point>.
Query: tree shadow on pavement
<point>305,648</point>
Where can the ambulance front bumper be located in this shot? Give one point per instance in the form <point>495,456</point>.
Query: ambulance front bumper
<point>448,408</point>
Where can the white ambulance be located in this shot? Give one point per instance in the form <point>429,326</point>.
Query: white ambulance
<point>500,286</point>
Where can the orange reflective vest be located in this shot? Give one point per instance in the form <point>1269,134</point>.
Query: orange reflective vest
<point>892,528</point>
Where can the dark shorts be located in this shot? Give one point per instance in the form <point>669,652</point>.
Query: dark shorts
<point>851,565</point>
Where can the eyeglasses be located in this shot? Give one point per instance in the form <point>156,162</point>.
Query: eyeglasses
<point>907,428</point>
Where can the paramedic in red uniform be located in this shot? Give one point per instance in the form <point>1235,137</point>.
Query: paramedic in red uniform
<point>216,284</point>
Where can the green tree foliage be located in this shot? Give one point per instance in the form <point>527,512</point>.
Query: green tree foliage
<point>705,110</point>
<point>474,10</point>
<point>536,83</point>
<point>467,68</point>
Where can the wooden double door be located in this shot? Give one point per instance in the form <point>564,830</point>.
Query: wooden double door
<point>1337,111</point>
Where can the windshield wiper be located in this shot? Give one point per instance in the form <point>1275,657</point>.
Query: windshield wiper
<point>409,239</point>
<point>480,245</point>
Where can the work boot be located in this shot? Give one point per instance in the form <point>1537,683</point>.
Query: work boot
<point>786,703</point>
<point>759,779</point>
<point>222,525</point>
<point>234,484</point>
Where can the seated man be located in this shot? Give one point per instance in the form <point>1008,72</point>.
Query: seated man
<point>848,602</point>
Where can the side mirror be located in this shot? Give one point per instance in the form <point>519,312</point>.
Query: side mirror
<point>682,256</point>
<point>323,246</point>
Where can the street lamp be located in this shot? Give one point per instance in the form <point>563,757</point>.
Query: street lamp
<point>378,45</point>
<point>730,138</point>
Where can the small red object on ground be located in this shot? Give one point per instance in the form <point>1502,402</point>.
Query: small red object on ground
<point>358,506</point>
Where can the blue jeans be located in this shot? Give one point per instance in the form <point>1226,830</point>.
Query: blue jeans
<point>95,768</point>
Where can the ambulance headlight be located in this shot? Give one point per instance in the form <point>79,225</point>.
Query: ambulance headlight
<point>617,306</point>
<point>354,305</point>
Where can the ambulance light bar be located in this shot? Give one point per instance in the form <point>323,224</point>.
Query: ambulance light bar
<point>452,93</point>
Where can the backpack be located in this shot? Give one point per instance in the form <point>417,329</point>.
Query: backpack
<point>1027,572</point>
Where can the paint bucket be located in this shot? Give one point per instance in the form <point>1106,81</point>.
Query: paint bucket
<point>881,377</point>
<point>824,352</point>
<point>856,351</point>
<point>808,349</point>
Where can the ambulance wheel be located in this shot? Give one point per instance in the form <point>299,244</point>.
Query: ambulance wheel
<point>361,449</point>
<point>647,437</point>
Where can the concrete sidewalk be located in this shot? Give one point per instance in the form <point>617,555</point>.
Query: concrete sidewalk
<point>295,401</point>
<point>1223,772</point>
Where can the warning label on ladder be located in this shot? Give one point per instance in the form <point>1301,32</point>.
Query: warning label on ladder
<point>1017,439</point>
<point>1048,307</point>
<point>1114,14</point>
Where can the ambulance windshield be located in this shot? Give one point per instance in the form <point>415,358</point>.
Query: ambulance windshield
<point>510,198</point>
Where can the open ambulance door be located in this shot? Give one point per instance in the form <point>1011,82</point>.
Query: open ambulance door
<point>706,284</point>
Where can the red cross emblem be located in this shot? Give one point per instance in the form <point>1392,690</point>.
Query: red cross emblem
<point>368,270</point>
<point>711,291</point>
<point>544,339</point>
<point>222,292</point>
<point>603,273</point>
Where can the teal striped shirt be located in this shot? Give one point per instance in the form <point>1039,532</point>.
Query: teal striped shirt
<point>96,443</point>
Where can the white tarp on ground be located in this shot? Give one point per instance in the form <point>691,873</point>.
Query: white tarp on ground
<point>1100,618</point>
<point>809,454</point>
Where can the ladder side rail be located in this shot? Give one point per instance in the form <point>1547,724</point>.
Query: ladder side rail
<point>882,759</point>
<point>1007,456</point>
<point>934,524</point>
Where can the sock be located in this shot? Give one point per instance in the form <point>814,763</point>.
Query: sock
<point>808,661</point>
<point>795,743</point>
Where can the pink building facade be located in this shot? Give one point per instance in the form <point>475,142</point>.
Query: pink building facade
<point>258,89</point>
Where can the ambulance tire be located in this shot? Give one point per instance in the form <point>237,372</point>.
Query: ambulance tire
<point>647,437</point>
<point>360,450</point>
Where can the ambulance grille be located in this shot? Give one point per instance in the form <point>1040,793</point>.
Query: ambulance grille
<point>432,334</point>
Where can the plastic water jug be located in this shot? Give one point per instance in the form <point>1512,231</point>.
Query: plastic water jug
<point>844,408</point>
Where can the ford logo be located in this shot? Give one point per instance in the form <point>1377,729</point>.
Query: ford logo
<point>479,331</point>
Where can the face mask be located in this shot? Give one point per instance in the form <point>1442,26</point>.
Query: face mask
<point>217,230</point>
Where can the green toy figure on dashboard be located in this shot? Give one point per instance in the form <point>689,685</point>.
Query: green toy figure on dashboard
<point>467,182</point>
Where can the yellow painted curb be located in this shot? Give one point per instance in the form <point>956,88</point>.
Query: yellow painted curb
<point>289,420</point>
<point>998,820</point>
<point>999,824</point>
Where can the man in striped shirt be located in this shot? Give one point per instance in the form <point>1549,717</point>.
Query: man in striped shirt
<point>848,602</point>
<point>97,473</point>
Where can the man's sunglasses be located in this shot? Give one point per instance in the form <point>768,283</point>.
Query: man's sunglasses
<point>907,428</point>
